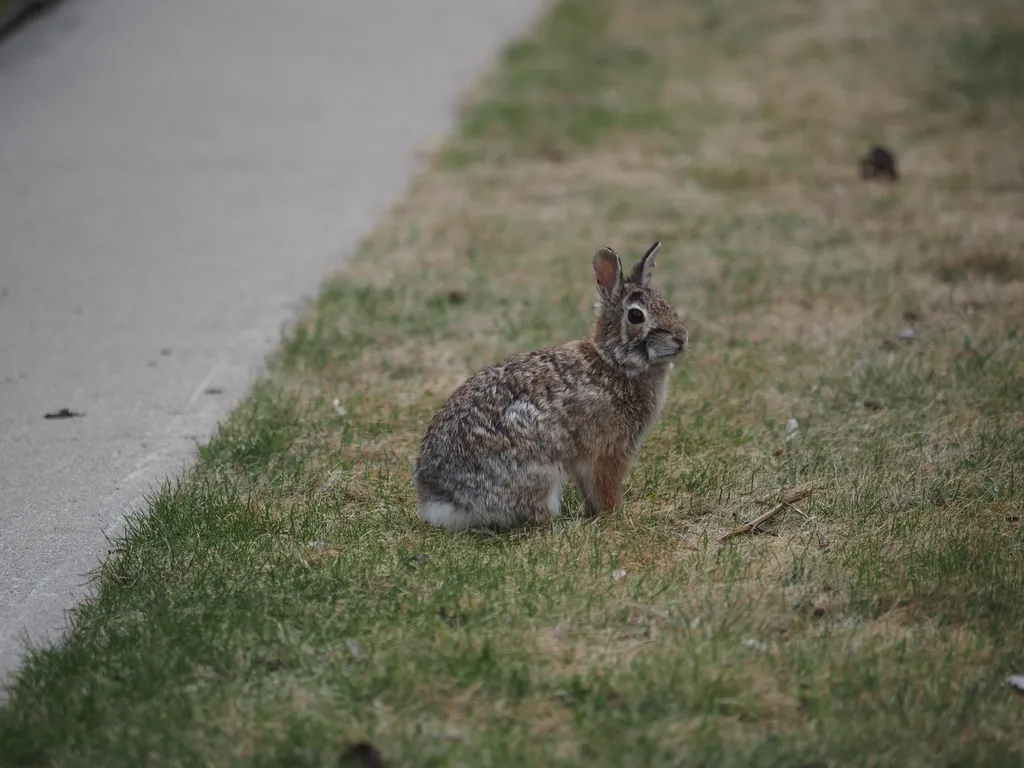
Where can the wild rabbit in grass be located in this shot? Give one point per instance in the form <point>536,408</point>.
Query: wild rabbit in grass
<point>499,451</point>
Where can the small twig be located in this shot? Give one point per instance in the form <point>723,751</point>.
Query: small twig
<point>748,527</point>
<point>786,502</point>
<point>634,650</point>
<point>799,511</point>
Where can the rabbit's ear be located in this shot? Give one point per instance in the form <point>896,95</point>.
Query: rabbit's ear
<point>641,272</point>
<point>608,270</point>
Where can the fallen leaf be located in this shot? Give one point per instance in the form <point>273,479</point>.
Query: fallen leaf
<point>879,163</point>
<point>63,413</point>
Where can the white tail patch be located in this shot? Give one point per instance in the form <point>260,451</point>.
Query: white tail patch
<point>447,515</point>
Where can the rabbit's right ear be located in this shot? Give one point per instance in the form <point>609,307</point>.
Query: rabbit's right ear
<point>608,270</point>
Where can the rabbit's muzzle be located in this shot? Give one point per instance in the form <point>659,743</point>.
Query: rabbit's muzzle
<point>662,347</point>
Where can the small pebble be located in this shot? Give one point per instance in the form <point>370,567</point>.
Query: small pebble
<point>907,334</point>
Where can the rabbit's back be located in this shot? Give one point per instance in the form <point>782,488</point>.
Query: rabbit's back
<point>521,406</point>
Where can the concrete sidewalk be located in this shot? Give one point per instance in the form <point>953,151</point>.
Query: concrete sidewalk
<point>174,179</point>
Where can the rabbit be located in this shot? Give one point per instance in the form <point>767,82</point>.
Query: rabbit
<point>498,452</point>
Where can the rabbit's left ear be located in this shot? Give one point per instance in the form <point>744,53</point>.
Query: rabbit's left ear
<point>641,272</point>
<point>608,271</point>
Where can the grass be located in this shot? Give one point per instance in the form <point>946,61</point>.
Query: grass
<point>282,600</point>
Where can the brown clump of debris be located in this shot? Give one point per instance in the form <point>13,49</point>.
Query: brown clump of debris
<point>879,163</point>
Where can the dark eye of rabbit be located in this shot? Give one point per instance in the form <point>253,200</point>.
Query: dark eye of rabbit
<point>635,316</point>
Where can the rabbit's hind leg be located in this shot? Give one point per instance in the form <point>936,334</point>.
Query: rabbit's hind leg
<point>538,495</point>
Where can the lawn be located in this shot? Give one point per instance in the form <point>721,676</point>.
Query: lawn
<point>856,339</point>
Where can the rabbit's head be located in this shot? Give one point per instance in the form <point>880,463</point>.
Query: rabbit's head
<point>635,328</point>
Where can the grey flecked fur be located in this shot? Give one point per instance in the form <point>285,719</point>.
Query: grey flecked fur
<point>498,452</point>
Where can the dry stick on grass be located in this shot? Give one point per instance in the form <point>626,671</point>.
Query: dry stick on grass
<point>799,511</point>
<point>787,501</point>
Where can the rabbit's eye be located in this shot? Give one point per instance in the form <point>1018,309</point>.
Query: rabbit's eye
<point>635,316</point>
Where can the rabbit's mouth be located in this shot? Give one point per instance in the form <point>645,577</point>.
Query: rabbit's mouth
<point>665,348</point>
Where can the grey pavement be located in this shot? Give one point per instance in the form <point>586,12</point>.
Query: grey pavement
<point>175,179</point>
